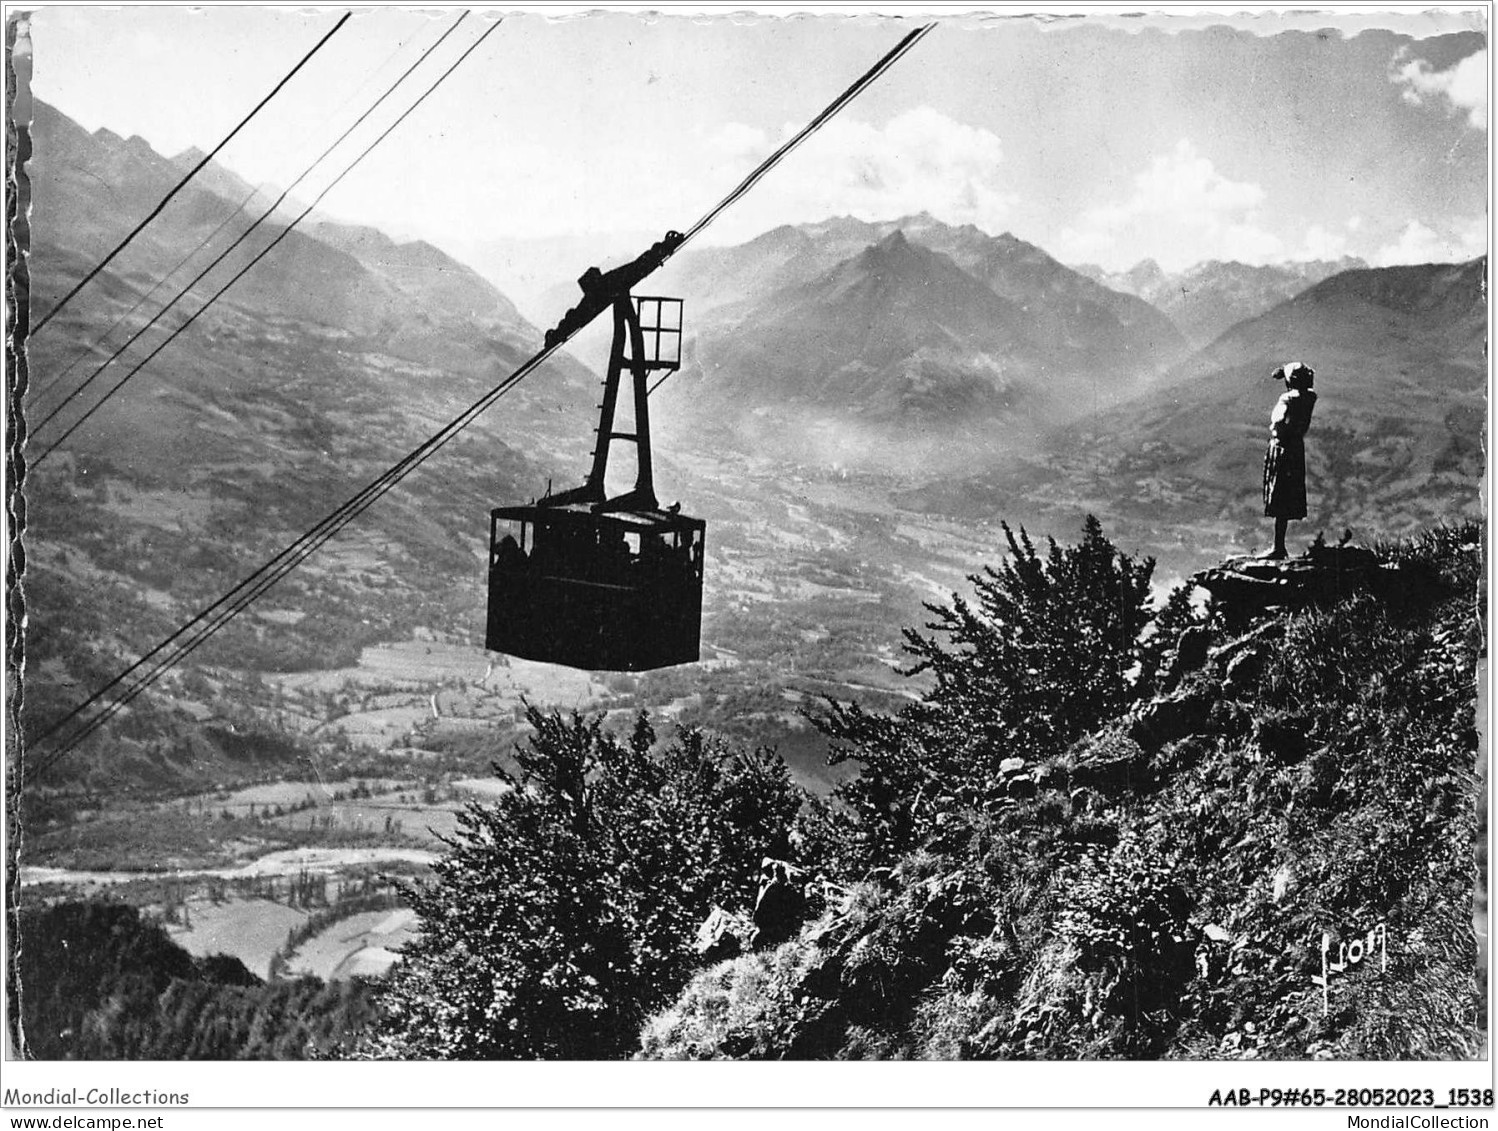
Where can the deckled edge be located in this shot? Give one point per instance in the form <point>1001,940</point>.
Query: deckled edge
<point>18,109</point>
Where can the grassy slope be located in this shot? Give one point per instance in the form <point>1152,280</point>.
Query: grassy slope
<point>1166,892</point>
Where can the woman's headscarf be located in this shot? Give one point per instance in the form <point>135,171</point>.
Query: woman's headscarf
<point>1296,374</point>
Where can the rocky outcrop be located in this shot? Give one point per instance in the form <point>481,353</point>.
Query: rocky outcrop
<point>1107,764</point>
<point>1247,588</point>
<point>782,905</point>
<point>1169,718</point>
<point>723,935</point>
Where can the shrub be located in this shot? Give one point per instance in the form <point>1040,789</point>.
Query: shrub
<point>1045,656</point>
<point>563,913</point>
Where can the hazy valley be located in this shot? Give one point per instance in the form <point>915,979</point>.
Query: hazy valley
<point>863,405</point>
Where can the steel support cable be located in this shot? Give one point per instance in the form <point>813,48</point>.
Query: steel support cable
<point>53,382</point>
<point>847,96</point>
<point>119,679</point>
<point>269,212</point>
<point>190,174</point>
<point>216,615</point>
<point>248,266</point>
<point>244,585</point>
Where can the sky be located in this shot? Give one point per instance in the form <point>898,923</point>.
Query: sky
<point>1102,137</point>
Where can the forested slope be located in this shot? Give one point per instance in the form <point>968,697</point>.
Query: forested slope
<point>1106,830</point>
<point>98,982</point>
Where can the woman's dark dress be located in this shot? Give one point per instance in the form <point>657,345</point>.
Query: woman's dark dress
<point>1285,461</point>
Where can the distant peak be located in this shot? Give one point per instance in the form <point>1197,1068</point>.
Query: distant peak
<point>780,234</point>
<point>893,252</point>
<point>896,246</point>
<point>1145,271</point>
<point>1017,248</point>
<point>189,156</point>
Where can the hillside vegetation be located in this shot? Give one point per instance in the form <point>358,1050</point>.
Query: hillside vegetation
<point>1103,831</point>
<point>1161,885</point>
<point>99,982</point>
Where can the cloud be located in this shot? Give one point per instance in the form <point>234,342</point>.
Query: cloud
<point>1320,243</point>
<point>1417,23</point>
<point>1463,88</point>
<point>921,160</point>
<point>1417,243</point>
<point>1181,211</point>
<point>735,142</point>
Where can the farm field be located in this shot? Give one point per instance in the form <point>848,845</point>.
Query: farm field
<point>402,690</point>
<point>251,930</point>
<point>376,817</point>
<point>365,945</point>
<point>286,794</point>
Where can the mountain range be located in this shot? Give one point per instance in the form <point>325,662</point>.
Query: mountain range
<point>1206,299</point>
<point>413,300</point>
<point>903,343</point>
<point>333,357</point>
<point>1067,395</point>
<point>1396,442</point>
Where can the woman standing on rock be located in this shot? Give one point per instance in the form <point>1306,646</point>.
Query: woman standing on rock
<point>1285,461</point>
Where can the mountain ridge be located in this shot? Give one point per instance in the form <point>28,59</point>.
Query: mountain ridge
<point>314,373</point>
<point>1395,445</point>
<point>1208,298</point>
<point>918,342</point>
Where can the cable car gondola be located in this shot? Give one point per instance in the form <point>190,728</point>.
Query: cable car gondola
<point>587,581</point>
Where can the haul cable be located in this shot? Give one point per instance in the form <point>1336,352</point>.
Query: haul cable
<point>440,79</point>
<point>52,382</point>
<point>190,174</point>
<point>230,250</point>
<point>215,616</point>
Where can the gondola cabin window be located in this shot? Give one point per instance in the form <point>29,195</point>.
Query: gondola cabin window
<point>603,591</point>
